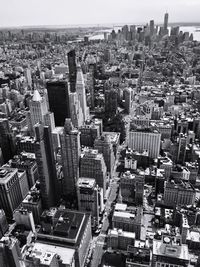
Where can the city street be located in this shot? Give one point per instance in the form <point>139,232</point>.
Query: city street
<point>99,246</point>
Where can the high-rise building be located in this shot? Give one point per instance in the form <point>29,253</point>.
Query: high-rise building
<point>76,112</point>
<point>38,108</point>
<point>91,84</point>
<point>103,145</point>
<point>6,140</point>
<point>88,198</point>
<point>58,95</point>
<point>80,89</point>
<point>72,70</point>
<point>111,102</point>
<point>10,190</point>
<point>152,27</point>
<point>70,151</point>
<point>92,165</point>
<point>165,26</point>
<point>46,165</point>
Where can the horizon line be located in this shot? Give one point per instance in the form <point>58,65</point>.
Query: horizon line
<point>86,25</point>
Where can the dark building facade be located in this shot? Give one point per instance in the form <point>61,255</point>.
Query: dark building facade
<point>46,165</point>
<point>72,70</point>
<point>58,95</point>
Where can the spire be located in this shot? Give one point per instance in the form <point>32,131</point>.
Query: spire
<point>36,96</point>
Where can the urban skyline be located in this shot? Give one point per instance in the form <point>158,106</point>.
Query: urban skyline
<point>95,12</point>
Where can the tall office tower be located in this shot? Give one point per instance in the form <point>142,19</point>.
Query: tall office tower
<point>10,253</point>
<point>72,70</point>
<point>88,198</point>
<point>7,143</point>
<point>10,191</point>
<point>46,165</point>
<point>58,95</point>
<point>104,146</point>
<point>70,151</point>
<point>125,32</point>
<point>165,26</point>
<point>132,188</point>
<point>80,89</point>
<point>152,27</point>
<point>111,102</point>
<point>133,32</point>
<point>76,112</point>
<point>91,85</point>
<point>38,108</point>
<point>92,165</point>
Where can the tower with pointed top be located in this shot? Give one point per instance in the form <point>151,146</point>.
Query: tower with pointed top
<point>38,108</point>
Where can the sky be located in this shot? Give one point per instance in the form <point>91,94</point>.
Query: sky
<point>70,12</point>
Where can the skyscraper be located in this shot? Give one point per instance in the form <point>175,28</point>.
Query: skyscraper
<point>72,70</point>
<point>46,165</point>
<point>166,17</point>
<point>70,150</point>
<point>38,108</point>
<point>10,191</point>
<point>6,140</point>
<point>152,27</point>
<point>91,84</point>
<point>92,165</point>
<point>58,95</point>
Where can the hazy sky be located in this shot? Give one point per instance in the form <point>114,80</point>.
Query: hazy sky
<point>63,12</point>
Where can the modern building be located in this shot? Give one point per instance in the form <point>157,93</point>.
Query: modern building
<point>170,250</point>
<point>89,198</point>
<point>46,165</point>
<point>92,165</point>
<point>58,96</point>
<point>132,188</point>
<point>10,190</point>
<point>70,151</point>
<point>70,228</point>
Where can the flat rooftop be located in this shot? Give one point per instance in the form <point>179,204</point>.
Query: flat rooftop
<point>6,173</point>
<point>42,250</point>
<point>86,182</point>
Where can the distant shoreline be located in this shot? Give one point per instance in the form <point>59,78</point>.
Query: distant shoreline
<point>93,26</point>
